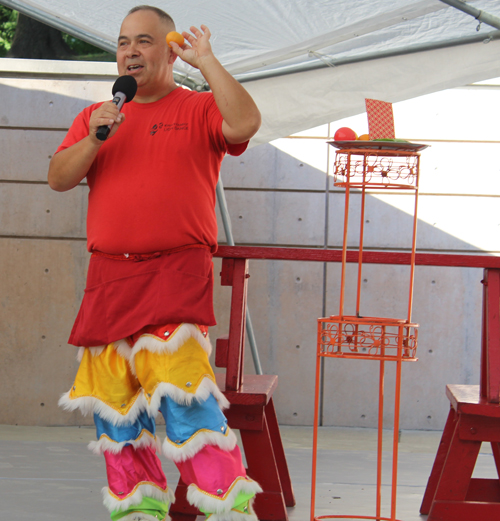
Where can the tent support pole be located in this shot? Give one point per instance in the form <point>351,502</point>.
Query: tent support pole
<point>226,221</point>
<point>479,15</point>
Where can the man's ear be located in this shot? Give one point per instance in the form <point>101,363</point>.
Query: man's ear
<point>172,57</point>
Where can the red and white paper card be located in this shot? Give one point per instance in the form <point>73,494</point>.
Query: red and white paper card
<point>380,119</point>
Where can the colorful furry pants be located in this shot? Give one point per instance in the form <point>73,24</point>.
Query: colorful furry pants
<point>124,385</point>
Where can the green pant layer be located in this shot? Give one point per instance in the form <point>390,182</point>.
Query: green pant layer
<point>148,505</point>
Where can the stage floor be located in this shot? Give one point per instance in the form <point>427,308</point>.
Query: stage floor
<point>48,474</point>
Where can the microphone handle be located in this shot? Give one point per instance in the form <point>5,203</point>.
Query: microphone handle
<point>104,130</point>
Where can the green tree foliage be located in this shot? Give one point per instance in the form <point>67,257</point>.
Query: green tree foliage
<point>86,51</point>
<point>8,23</point>
<point>31,39</point>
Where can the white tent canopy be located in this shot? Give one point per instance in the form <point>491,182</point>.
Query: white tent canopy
<point>310,62</point>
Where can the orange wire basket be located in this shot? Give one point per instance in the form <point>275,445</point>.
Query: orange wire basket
<point>380,169</point>
<point>367,338</point>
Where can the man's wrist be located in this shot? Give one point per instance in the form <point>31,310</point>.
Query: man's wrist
<point>94,140</point>
<point>207,63</point>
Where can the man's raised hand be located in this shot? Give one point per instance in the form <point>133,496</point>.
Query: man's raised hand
<point>196,47</point>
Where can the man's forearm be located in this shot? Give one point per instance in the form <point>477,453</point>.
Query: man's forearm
<point>240,113</point>
<point>69,166</point>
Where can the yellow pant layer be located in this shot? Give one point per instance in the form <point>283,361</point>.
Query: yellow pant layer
<point>185,368</point>
<point>107,377</point>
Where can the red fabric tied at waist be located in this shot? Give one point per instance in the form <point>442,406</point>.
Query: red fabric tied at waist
<point>138,257</point>
<point>123,297</point>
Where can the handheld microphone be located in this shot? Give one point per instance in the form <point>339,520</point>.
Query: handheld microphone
<point>124,90</point>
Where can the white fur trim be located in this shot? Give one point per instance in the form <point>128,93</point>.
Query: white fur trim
<point>105,443</point>
<point>121,346</point>
<point>91,405</point>
<point>204,390</point>
<point>224,504</point>
<point>94,351</point>
<point>123,349</point>
<point>197,441</point>
<point>143,489</point>
<point>176,340</point>
<point>139,516</point>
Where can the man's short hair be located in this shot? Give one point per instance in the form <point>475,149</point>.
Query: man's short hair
<point>162,15</point>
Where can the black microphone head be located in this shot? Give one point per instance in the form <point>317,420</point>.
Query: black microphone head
<point>127,85</point>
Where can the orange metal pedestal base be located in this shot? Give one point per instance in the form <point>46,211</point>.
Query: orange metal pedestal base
<point>366,338</point>
<point>356,517</point>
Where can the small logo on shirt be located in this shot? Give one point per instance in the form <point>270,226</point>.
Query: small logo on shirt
<point>168,127</point>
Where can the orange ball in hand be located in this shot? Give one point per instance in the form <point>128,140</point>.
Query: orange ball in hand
<point>176,37</point>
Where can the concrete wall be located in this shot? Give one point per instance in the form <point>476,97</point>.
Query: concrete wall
<point>276,195</point>
<point>42,237</point>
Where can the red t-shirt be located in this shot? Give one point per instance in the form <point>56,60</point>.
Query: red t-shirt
<point>152,185</point>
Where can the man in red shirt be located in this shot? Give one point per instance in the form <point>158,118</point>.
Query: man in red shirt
<point>151,229</point>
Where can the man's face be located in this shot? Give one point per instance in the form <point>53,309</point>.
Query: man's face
<point>143,52</point>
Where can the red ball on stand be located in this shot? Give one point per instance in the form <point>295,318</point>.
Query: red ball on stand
<point>345,134</point>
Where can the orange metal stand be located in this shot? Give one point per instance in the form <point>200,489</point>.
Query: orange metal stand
<point>362,166</point>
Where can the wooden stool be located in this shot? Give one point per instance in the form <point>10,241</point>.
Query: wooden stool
<point>452,494</point>
<point>252,412</point>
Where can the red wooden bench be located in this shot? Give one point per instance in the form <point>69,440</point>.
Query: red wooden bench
<point>252,408</point>
<point>252,411</point>
<point>452,494</point>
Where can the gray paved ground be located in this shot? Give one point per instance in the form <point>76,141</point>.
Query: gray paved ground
<point>48,474</point>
